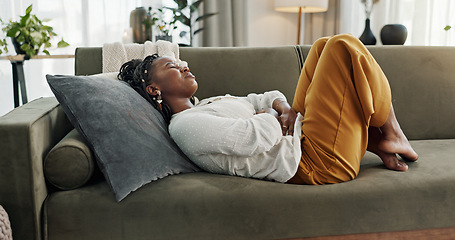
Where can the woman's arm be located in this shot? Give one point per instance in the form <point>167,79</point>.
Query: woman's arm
<point>201,133</point>
<point>274,103</point>
<point>264,100</point>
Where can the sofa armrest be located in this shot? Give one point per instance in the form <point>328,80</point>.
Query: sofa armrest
<point>26,135</point>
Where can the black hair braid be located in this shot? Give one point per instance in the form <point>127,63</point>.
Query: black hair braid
<point>138,74</point>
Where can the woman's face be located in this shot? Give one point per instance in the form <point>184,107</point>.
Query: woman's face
<point>173,80</point>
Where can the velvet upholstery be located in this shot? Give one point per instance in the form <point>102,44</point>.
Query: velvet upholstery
<point>26,135</point>
<point>226,207</point>
<point>70,164</point>
<point>421,79</point>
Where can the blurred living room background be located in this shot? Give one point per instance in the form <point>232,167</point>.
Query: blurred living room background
<point>237,23</point>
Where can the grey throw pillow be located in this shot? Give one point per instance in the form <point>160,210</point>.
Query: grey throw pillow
<point>128,136</point>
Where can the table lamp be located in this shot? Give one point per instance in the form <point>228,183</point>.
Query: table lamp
<point>299,6</point>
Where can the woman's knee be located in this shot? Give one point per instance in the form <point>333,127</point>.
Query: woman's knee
<point>343,41</point>
<point>345,37</point>
<point>320,43</point>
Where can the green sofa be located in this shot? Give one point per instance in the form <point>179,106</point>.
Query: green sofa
<point>208,206</point>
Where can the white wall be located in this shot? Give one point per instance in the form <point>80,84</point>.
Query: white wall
<point>266,27</point>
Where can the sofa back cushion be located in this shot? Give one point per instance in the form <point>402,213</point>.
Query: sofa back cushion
<point>421,78</point>
<point>220,71</point>
<point>240,71</point>
<point>423,88</point>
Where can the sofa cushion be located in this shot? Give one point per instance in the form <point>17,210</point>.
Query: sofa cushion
<point>70,163</point>
<point>127,135</point>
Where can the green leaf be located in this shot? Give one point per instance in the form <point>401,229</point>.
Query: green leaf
<point>196,4</point>
<point>447,28</point>
<point>34,20</point>
<point>205,16</point>
<point>29,9</point>
<point>25,47</point>
<point>62,44</point>
<point>46,20</point>
<point>183,19</point>
<point>47,28</point>
<point>30,52</point>
<point>193,9</point>
<point>46,52</point>
<point>24,20</point>
<point>21,39</point>
<point>4,45</point>
<point>181,3</point>
<point>13,32</point>
<point>198,31</point>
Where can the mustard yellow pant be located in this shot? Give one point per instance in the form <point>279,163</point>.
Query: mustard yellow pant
<point>341,92</point>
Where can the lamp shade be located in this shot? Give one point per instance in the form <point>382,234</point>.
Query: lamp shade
<point>308,6</point>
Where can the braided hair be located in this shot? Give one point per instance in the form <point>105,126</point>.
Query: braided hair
<point>138,74</point>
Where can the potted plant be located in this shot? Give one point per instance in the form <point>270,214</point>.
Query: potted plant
<point>188,15</point>
<point>164,24</point>
<point>29,34</point>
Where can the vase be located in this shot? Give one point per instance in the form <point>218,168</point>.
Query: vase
<point>148,23</point>
<point>17,47</point>
<point>367,37</point>
<point>394,34</point>
<point>141,32</point>
<point>164,38</point>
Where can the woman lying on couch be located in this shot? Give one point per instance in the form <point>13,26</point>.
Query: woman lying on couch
<point>342,107</point>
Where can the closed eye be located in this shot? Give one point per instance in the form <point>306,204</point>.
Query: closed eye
<point>171,65</point>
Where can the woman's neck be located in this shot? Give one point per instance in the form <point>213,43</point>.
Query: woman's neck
<point>179,104</point>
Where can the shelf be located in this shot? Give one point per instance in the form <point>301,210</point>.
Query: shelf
<point>21,57</point>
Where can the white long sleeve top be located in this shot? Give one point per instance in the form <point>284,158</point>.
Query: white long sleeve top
<point>224,135</point>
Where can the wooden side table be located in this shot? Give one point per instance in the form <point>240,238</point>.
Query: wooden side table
<point>17,63</point>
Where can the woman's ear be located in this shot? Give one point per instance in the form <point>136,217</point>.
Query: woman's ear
<point>151,90</point>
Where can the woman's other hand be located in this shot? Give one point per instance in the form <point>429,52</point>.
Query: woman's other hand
<point>286,116</point>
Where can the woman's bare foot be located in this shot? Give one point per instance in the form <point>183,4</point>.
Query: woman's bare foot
<point>394,141</point>
<point>399,144</point>
<point>390,160</point>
